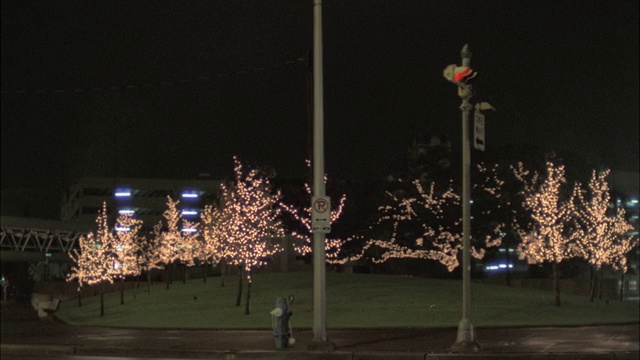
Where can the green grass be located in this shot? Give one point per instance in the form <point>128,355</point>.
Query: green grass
<point>353,301</point>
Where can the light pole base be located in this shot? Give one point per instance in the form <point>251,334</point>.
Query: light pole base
<point>466,342</point>
<point>321,345</point>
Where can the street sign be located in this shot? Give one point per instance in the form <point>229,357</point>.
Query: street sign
<point>478,130</point>
<point>321,214</point>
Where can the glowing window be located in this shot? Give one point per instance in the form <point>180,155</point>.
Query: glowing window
<point>189,195</point>
<point>123,193</point>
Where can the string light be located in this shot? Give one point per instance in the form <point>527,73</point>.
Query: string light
<point>126,246</point>
<point>174,244</point>
<point>93,260</point>
<point>440,237</point>
<point>604,239</point>
<point>303,243</point>
<point>240,231</point>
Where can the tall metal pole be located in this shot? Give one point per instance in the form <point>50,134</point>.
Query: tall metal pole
<point>319,283</point>
<point>466,340</point>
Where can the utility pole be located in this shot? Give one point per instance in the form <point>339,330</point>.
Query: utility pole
<point>466,340</point>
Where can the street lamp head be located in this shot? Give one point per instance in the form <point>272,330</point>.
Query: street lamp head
<point>481,106</point>
<point>465,52</point>
<point>458,74</point>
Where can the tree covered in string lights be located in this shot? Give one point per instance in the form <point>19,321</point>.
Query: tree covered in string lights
<point>93,261</point>
<point>426,226</point>
<point>216,227</point>
<point>177,242</point>
<point>252,222</point>
<point>150,253</point>
<point>553,231</point>
<point>421,217</point>
<point>604,239</point>
<point>126,250</point>
<point>303,236</point>
<point>498,206</point>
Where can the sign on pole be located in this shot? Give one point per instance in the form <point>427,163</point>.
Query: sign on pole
<point>321,214</point>
<point>478,130</point>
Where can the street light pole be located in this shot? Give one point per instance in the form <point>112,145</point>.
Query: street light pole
<point>466,340</point>
<point>319,283</point>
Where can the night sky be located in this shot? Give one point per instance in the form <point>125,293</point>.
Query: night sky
<point>175,89</point>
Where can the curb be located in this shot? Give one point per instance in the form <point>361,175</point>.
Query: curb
<point>37,349</point>
<point>68,350</point>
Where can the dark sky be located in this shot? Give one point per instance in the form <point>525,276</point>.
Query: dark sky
<point>174,89</point>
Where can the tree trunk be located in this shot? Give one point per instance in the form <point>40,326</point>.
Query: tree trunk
<point>122,290</point>
<point>79,297</point>
<point>239,297</point>
<point>600,285</point>
<point>247,308</point>
<point>167,274</point>
<point>593,283</point>
<point>556,283</point>
<point>101,300</point>
<point>508,271</point>
<point>149,281</point>
<point>223,270</point>
<point>621,285</point>
<point>204,276</point>
<point>184,273</point>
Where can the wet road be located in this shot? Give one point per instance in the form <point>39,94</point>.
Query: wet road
<point>22,330</point>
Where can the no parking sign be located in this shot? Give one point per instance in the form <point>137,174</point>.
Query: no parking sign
<point>321,214</point>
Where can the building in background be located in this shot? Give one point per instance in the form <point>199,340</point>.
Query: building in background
<point>625,187</point>
<point>625,192</point>
<point>144,199</point>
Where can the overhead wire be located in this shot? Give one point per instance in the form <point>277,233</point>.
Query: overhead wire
<point>154,84</point>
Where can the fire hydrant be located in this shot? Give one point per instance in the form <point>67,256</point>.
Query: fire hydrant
<point>280,323</point>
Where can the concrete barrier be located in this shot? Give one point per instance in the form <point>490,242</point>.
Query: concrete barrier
<point>37,298</point>
<point>47,308</point>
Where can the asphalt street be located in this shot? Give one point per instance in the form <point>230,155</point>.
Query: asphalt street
<point>25,336</point>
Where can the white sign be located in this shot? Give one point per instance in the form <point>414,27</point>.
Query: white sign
<point>478,130</point>
<point>321,214</point>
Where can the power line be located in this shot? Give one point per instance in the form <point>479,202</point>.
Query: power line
<point>157,84</point>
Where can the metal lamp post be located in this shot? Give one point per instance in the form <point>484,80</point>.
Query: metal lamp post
<point>320,203</point>
<point>466,340</point>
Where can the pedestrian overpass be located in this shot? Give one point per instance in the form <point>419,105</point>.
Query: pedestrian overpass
<point>29,239</point>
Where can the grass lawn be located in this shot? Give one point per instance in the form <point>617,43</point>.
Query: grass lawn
<point>353,301</point>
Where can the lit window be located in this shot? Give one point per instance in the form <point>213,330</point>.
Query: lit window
<point>123,193</point>
<point>189,230</point>
<point>188,212</point>
<point>498,267</point>
<point>126,211</point>
<point>190,194</point>
<point>122,228</point>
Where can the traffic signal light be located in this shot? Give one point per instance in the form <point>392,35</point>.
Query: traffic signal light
<point>458,74</point>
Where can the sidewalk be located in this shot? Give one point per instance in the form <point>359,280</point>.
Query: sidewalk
<point>23,333</point>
